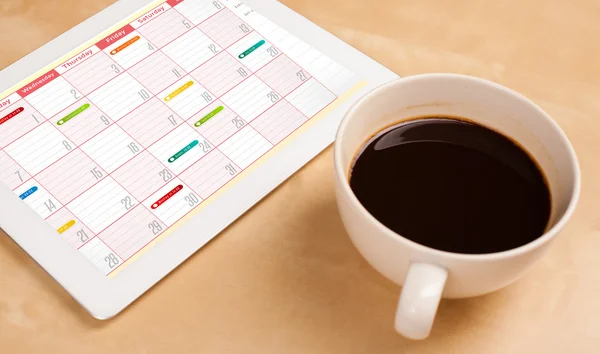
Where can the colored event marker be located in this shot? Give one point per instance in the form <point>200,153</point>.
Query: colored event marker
<point>167,196</point>
<point>125,45</point>
<point>73,114</point>
<point>66,226</point>
<point>251,49</point>
<point>208,116</point>
<point>183,151</point>
<point>28,192</point>
<point>11,115</point>
<point>175,93</point>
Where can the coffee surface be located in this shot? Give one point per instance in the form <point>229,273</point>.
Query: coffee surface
<point>452,185</point>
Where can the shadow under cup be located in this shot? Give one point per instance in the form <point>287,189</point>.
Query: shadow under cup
<point>487,104</point>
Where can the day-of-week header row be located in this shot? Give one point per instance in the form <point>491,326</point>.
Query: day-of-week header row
<point>89,52</point>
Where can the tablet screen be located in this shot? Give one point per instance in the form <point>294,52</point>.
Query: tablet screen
<point>146,122</point>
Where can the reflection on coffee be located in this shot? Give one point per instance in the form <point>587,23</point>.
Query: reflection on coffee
<point>452,185</point>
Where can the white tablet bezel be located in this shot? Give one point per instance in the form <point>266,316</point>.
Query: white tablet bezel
<point>104,297</point>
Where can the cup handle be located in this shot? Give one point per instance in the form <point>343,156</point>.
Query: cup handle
<point>419,299</point>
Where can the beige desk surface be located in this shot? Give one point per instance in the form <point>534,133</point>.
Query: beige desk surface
<point>288,280</point>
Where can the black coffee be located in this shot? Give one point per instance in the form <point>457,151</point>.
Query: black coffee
<point>452,185</point>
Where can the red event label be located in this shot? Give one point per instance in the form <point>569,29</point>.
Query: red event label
<point>38,83</point>
<point>114,37</point>
<point>11,114</point>
<point>167,196</point>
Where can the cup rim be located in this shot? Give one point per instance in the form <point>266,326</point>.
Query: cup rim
<point>340,170</point>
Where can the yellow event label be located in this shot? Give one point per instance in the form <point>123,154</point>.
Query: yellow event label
<point>177,92</point>
<point>66,226</point>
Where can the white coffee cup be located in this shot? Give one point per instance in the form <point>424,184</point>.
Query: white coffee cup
<point>427,274</point>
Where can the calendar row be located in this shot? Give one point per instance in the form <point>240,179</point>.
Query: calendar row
<point>190,115</point>
<point>185,96</point>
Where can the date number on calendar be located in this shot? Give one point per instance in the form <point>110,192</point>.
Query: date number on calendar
<point>111,260</point>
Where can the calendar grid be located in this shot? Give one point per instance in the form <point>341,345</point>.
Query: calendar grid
<point>104,177</point>
<point>130,210</point>
<point>133,207</point>
<point>217,146</point>
<point>119,127</point>
<point>97,235</point>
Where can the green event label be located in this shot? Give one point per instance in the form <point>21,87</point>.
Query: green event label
<point>73,114</point>
<point>251,49</point>
<point>183,151</point>
<point>208,116</point>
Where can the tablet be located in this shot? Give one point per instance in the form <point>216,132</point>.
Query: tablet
<point>130,141</point>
